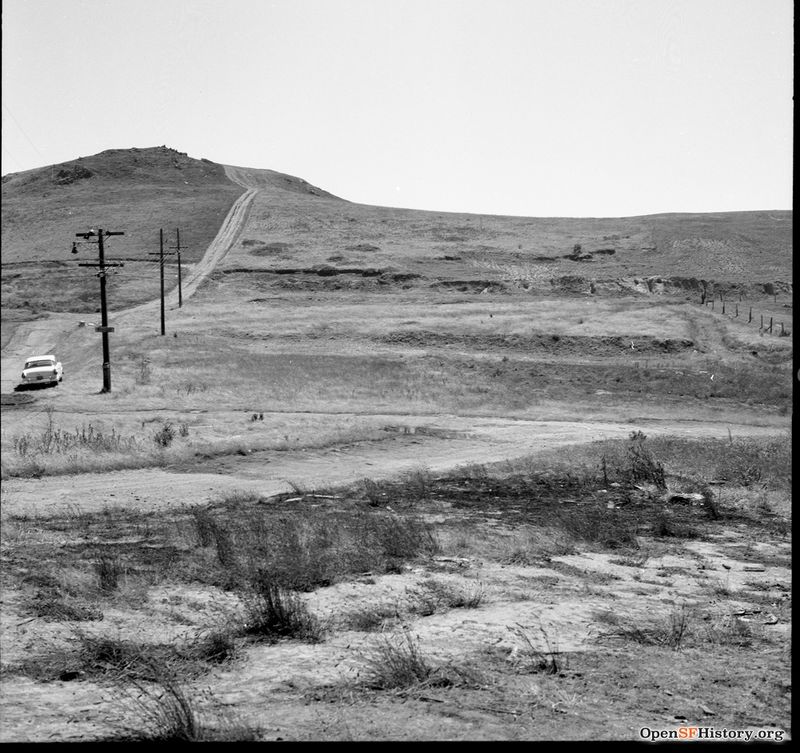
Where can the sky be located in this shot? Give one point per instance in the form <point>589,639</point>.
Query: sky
<point>541,108</point>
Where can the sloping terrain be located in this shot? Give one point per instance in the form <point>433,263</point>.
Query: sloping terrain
<point>136,191</point>
<point>395,474</point>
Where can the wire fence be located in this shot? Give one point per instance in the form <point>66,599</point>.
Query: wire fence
<point>739,308</point>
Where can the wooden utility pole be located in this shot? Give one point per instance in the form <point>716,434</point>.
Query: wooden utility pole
<point>161,269</point>
<point>161,265</point>
<point>177,248</point>
<point>102,265</point>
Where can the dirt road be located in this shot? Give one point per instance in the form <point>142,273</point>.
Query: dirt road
<point>61,333</point>
<point>442,443</point>
<point>437,446</point>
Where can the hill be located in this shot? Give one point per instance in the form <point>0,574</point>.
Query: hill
<point>363,422</point>
<point>297,226</point>
<point>136,191</point>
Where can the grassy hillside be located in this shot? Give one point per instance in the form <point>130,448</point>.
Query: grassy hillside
<point>137,191</point>
<point>334,245</point>
<point>297,229</point>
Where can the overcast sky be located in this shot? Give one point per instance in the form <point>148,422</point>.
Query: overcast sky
<point>519,107</point>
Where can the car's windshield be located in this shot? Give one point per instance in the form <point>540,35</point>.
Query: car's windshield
<point>38,363</point>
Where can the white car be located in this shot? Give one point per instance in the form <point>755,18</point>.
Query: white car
<point>42,370</point>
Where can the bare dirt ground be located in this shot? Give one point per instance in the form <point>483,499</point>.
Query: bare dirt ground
<point>514,623</point>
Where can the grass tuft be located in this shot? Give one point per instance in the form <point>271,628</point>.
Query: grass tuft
<point>163,710</point>
<point>528,656</point>
<point>669,632</point>
<point>396,662</point>
<point>274,612</point>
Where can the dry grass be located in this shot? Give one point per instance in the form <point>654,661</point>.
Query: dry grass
<point>396,662</point>
<point>165,711</point>
<point>343,310</point>
<point>274,612</point>
<point>262,549</point>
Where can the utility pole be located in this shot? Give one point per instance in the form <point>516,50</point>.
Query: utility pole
<point>102,265</point>
<point>177,248</point>
<point>161,267</point>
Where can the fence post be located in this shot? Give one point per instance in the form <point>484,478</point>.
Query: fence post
<point>750,317</point>
<point>782,332</point>
<point>723,307</point>
<point>770,325</point>
<point>737,310</point>
<point>762,321</point>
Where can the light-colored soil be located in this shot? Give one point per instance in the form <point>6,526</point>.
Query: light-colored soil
<point>394,422</point>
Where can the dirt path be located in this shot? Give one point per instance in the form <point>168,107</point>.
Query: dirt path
<point>437,446</point>
<point>61,334</point>
<point>447,443</point>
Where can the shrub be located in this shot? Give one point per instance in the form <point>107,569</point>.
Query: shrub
<point>274,612</point>
<point>642,466</point>
<point>108,570</point>
<point>164,436</point>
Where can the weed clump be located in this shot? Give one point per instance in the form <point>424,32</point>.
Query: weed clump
<point>304,550</point>
<point>163,710</point>
<point>396,662</point>
<point>669,632</point>
<point>530,657</point>
<point>164,436</point>
<point>642,466</point>
<point>108,570</point>
<point>434,595</point>
<point>53,440</point>
<point>214,647</point>
<point>275,612</point>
